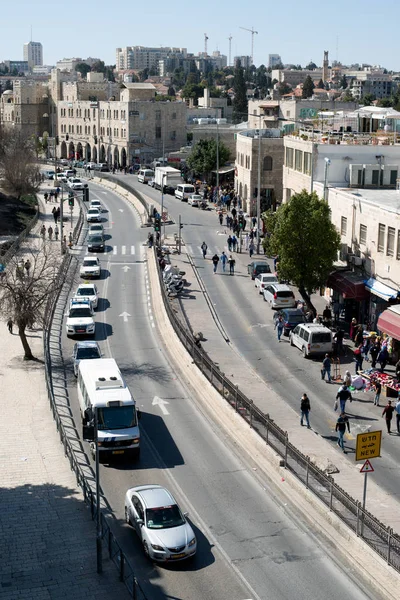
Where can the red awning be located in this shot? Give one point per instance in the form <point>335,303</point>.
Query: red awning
<point>349,284</point>
<point>389,322</point>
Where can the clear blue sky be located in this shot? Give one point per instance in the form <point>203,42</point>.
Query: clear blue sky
<point>352,30</point>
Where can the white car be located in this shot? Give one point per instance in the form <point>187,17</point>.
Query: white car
<point>263,279</point>
<point>91,165</point>
<point>93,215</point>
<point>195,200</point>
<point>90,267</point>
<point>85,350</point>
<point>96,228</point>
<point>80,319</point>
<point>279,295</point>
<point>163,530</point>
<point>96,204</point>
<point>88,290</point>
<point>75,184</point>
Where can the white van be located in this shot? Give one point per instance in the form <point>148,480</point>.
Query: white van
<point>183,191</point>
<point>312,339</point>
<point>145,175</point>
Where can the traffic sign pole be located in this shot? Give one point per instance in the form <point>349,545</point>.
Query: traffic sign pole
<point>365,469</point>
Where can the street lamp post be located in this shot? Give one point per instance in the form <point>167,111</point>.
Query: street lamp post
<point>259,188</point>
<point>217,164</point>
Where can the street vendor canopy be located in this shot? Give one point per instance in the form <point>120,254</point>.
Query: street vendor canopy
<point>380,289</point>
<point>348,284</point>
<point>389,322</point>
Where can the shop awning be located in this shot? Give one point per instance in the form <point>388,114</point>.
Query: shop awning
<point>389,322</point>
<point>380,289</point>
<point>349,284</point>
<point>224,170</point>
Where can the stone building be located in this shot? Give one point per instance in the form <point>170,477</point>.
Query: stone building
<point>252,152</point>
<point>119,126</point>
<point>26,108</point>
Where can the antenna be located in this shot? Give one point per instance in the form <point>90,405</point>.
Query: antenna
<point>31,33</point>
<point>205,43</point>
<point>252,31</point>
<point>337,48</point>
<point>230,49</point>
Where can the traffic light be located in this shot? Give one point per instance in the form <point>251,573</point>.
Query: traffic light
<point>241,221</point>
<point>71,200</point>
<point>67,137</point>
<point>157,223</point>
<point>86,194</point>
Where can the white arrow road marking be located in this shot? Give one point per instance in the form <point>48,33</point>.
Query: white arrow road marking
<point>161,403</point>
<point>121,210</point>
<point>126,269</point>
<point>104,192</point>
<point>125,315</point>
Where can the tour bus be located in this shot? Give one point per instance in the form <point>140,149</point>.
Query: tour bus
<point>102,387</point>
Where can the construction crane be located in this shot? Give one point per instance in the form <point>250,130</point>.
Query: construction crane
<point>230,49</point>
<point>205,44</point>
<point>252,31</point>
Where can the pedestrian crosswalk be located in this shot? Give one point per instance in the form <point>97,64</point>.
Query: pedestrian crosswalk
<point>124,250</point>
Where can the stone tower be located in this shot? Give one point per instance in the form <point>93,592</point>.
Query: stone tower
<point>325,73</point>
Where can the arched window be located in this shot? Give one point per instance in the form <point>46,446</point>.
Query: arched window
<point>267,165</point>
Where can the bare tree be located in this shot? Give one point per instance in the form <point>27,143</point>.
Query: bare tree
<point>26,286</point>
<point>18,169</point>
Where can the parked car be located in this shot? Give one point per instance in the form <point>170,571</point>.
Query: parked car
<point>103,167</point>
<point>279,295</point>
<point>263,279</point>
<point>195,200</point>
<point>85,350</point>
<point>162,528</point>
<point>95,243</point>
<point>291,318</point>
<point>258,266</point>
<point>312,339</point>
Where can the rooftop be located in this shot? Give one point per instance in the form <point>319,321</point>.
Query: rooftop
<point>387,199</point>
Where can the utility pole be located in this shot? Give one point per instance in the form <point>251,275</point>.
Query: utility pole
<point>217,164</point>
<point>252,31</point>
<point>179,235</point>
<point>230,49</point>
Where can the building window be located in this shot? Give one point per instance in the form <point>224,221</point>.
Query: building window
<point>375,177</point>
<point>393,177</point>
<point>267,164</point>
<point>307,163</point>
<point>381,237</point>
<point>173,116</point>
<point>289,157</point>
<point>390,241</point>
<point>158,116</point>
<point>343,226</point>
<point>173,136</point>
<point>158,132</point>
<point>298,160</point>
<point>363,235</point>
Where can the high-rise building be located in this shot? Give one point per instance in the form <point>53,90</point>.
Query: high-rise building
<point>273,60</point>
<point>33,54</point>
<point>141,57</point>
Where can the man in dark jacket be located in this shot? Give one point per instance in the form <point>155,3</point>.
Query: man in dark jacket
<point>215,261</point>
<point>388,414</point>
<point>305,408</point>
<point>343,395</point>
<point>341,424</point>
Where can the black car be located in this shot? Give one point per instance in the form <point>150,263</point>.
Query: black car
<point>96,243</point>
<point>291,317</point>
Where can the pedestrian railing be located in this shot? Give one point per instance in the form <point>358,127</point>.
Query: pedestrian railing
<point>83,479</point>
<point>377,535</point>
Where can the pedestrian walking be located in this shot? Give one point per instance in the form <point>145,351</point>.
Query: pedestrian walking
<point>230,243</point>
<point>341,424</point>
<point>224,260</point>
<point>338,339</point>
<point>279,326</point>
<point>215,261</point>
<point>234,243</point>
<point>378,388</point>
<point>43,231</point>
<point>326,368</point>
<point>353,328</point>
<point>246,241</point>
<point>383,357</point>
<point>343,395</point>
<point>358,357</point>
<point>70,237</point>
<point>56,232</point>
<point>254,221</point>
<point>374,351</point>
<point>204,249</point>
<point>10,325</point>
<point>58,211</point>
<point>388,414</point>
<point>231,262</point>
<point>221,217</point>
<point>50,232</point>
<point>397,411</point>
<point>27,266</point>
<point>305,408</point>
<point>347,379</point>
<point>46,196</point>
<point>251,248</point>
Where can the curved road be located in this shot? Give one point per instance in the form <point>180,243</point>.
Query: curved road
<point>250,544</point>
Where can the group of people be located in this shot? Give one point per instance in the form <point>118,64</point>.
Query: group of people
<point>52,195</point>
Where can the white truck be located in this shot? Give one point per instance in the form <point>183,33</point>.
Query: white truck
<point>167,177</point>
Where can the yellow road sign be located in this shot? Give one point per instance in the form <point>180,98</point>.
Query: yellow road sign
<point>368,445</point>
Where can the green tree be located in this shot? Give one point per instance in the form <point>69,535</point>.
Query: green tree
<point>306,241</point>
<point>343,82</point>
<point>171,91</point>
<point>83,69</point>
<point>385,102</point>
<point>284,88</point>
<point>143,75</point>
<point>203,158</point>
<point>18,164</point>
<point>240,94</point>
<point>321,85</point>
<point>98,66</point>
<point>368,99</point>
<point>192,90</point>
<point>308,87</point>
<point>109,72</point>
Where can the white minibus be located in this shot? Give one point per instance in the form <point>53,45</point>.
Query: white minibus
<point>101,387</point>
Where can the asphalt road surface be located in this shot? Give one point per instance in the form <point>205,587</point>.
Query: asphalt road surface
<point>251,545</point>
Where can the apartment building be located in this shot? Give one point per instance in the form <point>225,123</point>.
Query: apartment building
<point>143,57</point>
<point>69,64</point>
<point>33,54</point>
<point>127,127</point>
<point>273,60</point>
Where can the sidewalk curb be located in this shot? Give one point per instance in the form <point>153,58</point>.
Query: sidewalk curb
<point>371,566</point>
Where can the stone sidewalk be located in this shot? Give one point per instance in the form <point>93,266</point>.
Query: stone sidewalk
<point>47,536</point>
<point>383,505</point>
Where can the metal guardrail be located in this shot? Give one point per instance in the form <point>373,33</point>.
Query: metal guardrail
<point>116,554</point>
<point>377,535</point>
